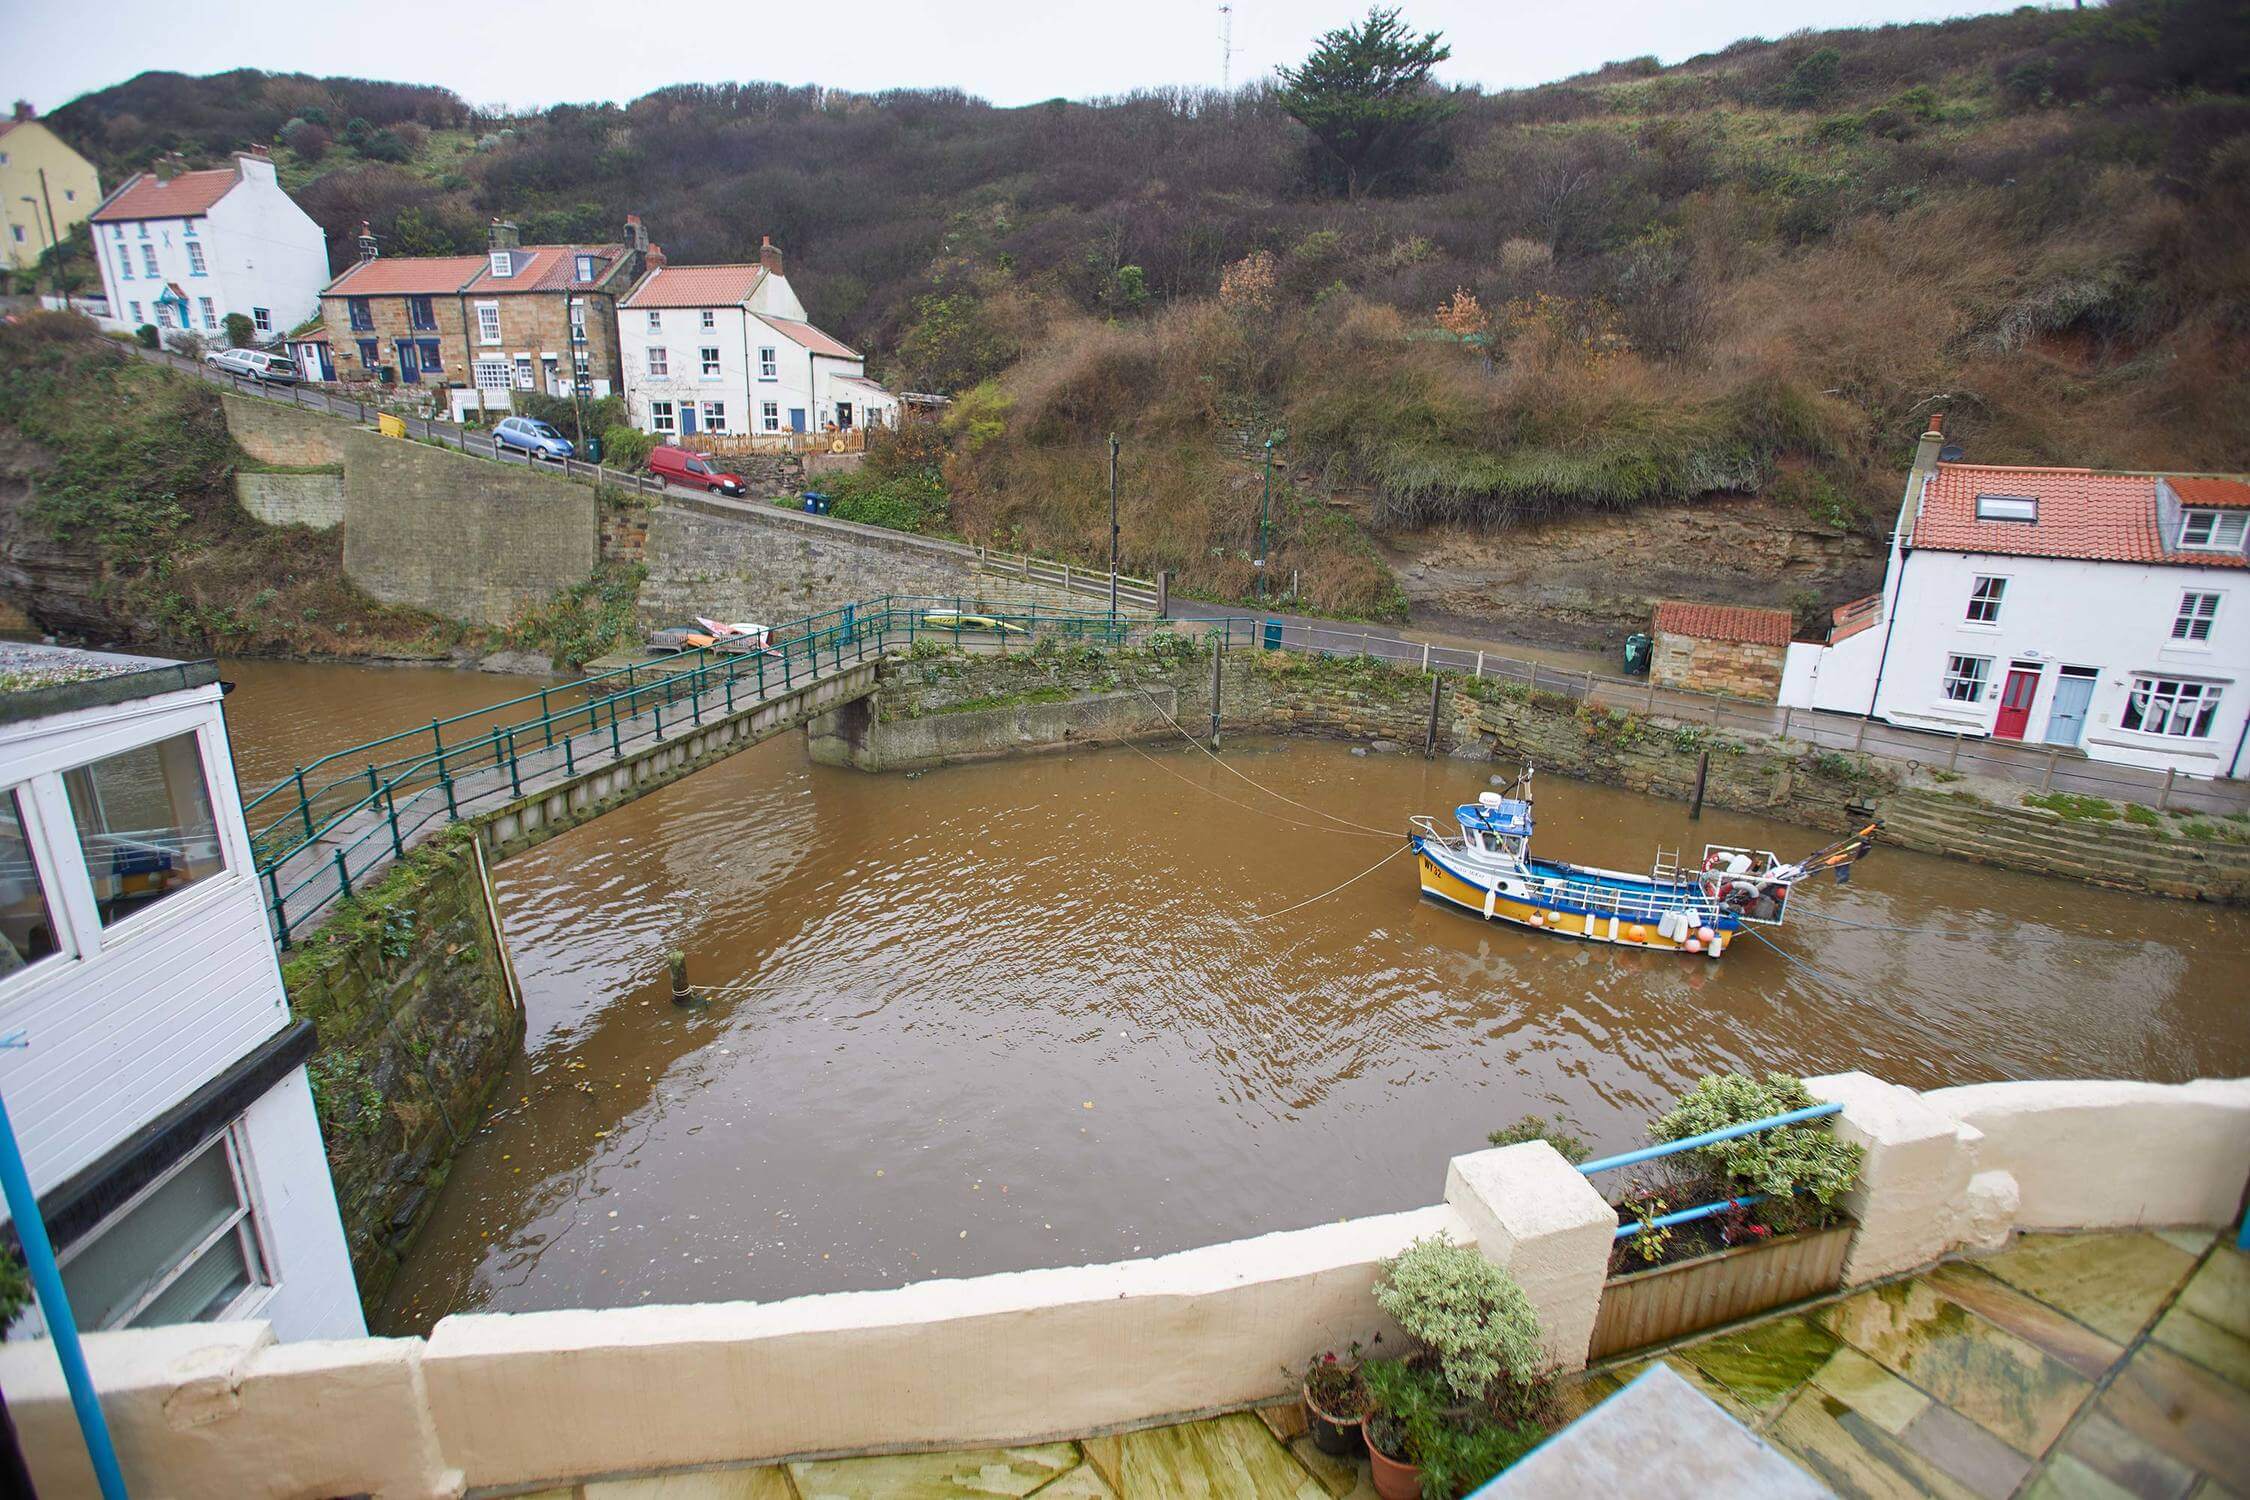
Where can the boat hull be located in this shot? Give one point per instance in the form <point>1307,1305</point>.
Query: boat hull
<point>1442,883</point>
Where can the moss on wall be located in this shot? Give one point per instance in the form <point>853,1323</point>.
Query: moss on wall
<point>417,1024</point>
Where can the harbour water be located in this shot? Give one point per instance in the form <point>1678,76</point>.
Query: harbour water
<point>1041,1012</point>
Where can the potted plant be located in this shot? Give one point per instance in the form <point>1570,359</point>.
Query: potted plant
<point>1335,1403</point>
<point>1478,1394</point>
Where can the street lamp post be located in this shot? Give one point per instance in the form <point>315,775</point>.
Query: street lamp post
<point>1265,520</point>
<point>1113,528</point>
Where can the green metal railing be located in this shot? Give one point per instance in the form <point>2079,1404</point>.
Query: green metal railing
<point>333,822</point>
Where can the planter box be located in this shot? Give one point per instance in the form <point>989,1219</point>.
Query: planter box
<point>1651,1307</point>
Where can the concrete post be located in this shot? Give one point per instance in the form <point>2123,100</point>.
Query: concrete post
<point>1915,1200</point>
<point>1163,593</point>
<point>1538,1218</point>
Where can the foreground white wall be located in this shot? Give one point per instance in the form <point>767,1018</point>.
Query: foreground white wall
<point>517,1399</point>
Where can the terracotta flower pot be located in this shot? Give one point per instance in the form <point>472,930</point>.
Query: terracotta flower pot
<point>1338,1437</point>
<point>1394,1480</point>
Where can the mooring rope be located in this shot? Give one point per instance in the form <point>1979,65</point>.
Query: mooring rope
<point>1957,933</point>
<point>1836,982</point>
<point>1246,807</point>
<point>1388,833</point>
<point>1332,890</point>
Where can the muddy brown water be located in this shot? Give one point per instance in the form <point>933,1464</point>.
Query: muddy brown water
<point>1027,1013</point>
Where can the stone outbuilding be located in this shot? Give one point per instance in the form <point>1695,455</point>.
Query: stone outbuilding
<point>1720,648</point>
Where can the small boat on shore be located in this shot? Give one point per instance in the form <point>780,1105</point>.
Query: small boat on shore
<point>1488,870</point>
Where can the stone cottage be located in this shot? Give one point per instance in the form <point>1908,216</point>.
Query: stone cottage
<point>1720,648</point>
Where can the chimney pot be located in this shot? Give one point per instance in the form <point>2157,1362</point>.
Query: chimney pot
<point>367,248</point>
<point>1937,421</point>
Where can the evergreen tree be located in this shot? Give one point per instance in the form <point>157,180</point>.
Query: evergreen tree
<point>1366,96</point>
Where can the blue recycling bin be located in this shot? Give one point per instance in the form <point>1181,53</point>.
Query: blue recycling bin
<point>816,504</point>
<point>1272,635</point>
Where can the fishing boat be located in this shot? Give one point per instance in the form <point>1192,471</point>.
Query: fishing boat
<point>1488,870</point>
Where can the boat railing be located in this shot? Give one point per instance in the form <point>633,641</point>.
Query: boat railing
<point>1594,896</point>
<point>1428,828</point>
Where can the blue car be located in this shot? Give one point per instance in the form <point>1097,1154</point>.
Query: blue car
<point>533,437</point>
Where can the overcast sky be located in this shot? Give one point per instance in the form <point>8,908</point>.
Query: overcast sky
<point>1007,51</point>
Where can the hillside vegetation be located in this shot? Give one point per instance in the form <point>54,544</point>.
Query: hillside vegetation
<point>1753,272</point>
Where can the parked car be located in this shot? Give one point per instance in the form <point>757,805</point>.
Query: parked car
<point>533,437</point>
<point>255,363</point>
<point>683,466</point>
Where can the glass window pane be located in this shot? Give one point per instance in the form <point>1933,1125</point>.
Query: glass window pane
<point>145,823</point>
<point>27,924</point>
<point>205,1290</point>
<point>107,1276</point>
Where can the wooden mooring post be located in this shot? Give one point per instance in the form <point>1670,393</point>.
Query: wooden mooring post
<point>682,992</point>
<point>1429,742</point>
<point>1702,774</point>
<point>1218,654</point>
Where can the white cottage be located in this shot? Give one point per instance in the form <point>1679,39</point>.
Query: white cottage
<point>727,350</point>
<point>156,1078</point>
<point>2103,611</point>
<point>182,250</point>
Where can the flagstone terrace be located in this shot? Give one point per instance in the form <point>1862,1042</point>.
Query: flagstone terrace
<point>2090,1365</point>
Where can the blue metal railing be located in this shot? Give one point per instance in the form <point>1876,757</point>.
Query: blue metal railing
<point>1696,1142</point>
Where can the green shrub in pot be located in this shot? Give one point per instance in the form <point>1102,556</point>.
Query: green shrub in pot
<point>1480,1329</point>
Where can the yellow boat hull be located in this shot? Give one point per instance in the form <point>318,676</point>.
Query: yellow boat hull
<point>1442,884</point>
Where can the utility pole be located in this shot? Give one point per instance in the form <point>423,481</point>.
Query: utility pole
<point>54,236</point>
<point>45,236</point>
<point>1113,527</point>
<point>1265,520</point>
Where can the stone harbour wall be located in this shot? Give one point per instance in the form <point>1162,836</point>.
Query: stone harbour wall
<point>410,989</point>
<point>524,1401</point>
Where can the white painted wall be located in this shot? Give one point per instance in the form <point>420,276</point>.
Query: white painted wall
<point>259,250</point>
<point>128,1021</point>
<point>683,337</point>
<point>516,1399</point>
<point>2065,612</point>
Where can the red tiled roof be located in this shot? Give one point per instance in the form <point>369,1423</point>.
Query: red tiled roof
<point>146,196</point>
<point>546,268</point>
<point>811,337</point>
<point>406,275</point>
<point>2210,494</point>
<point>1725,622</point>
<point>2082,513</point>
<point>695,286</point>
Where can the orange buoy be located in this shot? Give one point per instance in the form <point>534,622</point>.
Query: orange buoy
<point>1695,945</point>
<point>1637,933</point>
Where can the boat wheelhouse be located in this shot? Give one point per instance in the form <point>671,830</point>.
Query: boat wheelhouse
<point>1487,869</point>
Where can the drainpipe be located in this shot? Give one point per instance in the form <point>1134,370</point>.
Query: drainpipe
<point>1909,508</point>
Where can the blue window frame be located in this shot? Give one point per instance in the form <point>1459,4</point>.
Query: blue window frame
<point>370,353</point>
<point>433,358</point>
<point>419,313</point>
<point>363,315</point>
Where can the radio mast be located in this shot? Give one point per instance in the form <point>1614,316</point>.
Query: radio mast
<point>1226,49</point>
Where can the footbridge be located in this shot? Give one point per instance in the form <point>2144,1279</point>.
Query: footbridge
<point>527,769</point>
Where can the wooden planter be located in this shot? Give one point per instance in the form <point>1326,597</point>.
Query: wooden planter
<point>1650,1307</point>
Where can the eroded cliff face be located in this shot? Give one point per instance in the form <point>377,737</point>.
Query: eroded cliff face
<point>1592,580</point>
<point>57,584</point>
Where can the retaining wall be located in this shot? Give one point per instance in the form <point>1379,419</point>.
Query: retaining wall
<point>274,433</point>
<point>410,992</point>
<point>461,536</point>
<point>315,500</point>
<point>520,1399</point>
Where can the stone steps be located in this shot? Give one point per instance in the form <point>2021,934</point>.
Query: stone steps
<point>2130,859</point>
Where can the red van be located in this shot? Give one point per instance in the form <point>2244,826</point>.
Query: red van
<point>681,466</point>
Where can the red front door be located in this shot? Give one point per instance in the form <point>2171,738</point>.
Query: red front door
<point>2015,703</point>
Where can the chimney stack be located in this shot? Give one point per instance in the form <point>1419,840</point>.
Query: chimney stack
<point>636,237</point>
<point>23,111</point>
<point>769,256</point>
<point>169,166</point>
<point>367,250</point>
<point>656,261</point>
<point>503,236</point>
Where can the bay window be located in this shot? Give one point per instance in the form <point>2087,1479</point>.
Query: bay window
<point>2175,707</point>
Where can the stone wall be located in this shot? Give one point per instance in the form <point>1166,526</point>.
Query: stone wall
<point>290,436</point>
<point>758,561</point>
<point>315,500</point>
<point>1733,667</point>
<point>528,1401</point>
<point>461,536</point>
<point>410,991</point>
